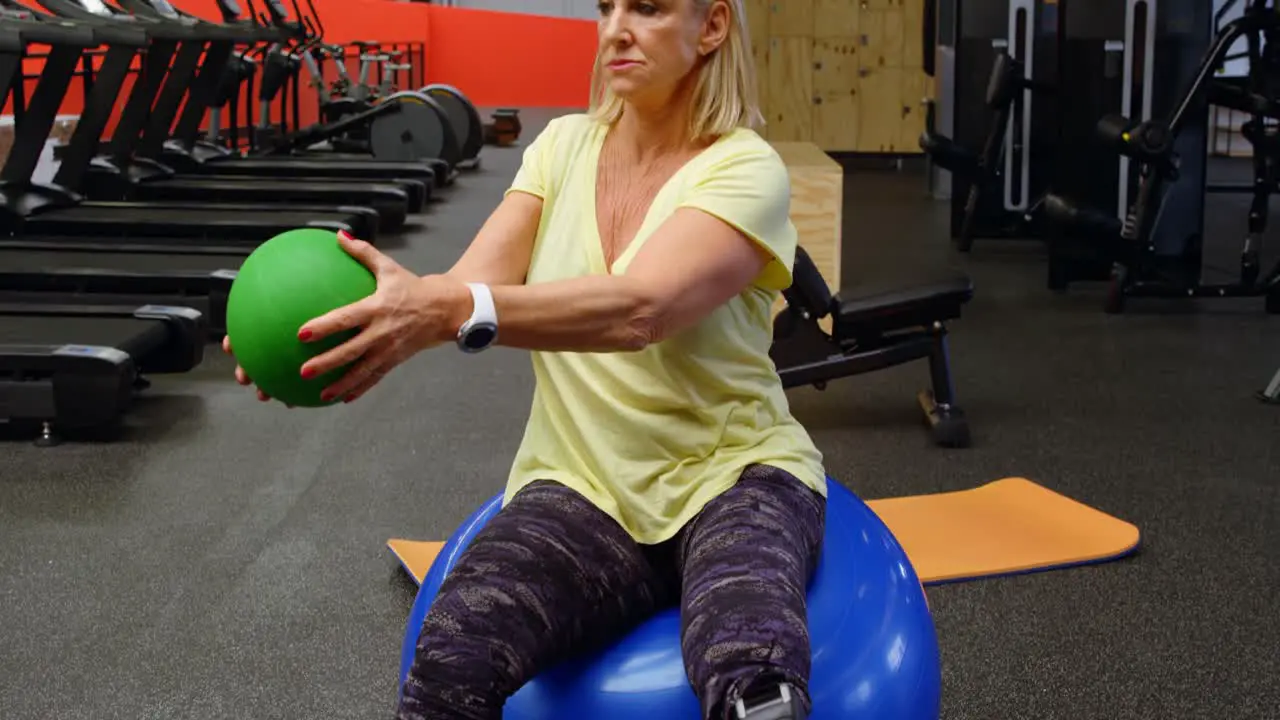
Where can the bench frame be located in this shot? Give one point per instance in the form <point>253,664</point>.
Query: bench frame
<point>806,354</point>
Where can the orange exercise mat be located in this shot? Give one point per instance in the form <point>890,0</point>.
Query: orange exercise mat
<point>1005,527</point>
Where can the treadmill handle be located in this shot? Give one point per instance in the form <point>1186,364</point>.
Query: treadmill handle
<point>120,35</point>
<point>163,29</point>
<point>11,40</point>
<point>57,33</point>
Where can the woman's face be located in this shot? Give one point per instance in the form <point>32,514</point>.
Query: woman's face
<point>650,48</point>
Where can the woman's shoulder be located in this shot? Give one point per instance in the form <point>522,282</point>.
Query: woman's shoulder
<point>744,150</point>
<point>747,140</point>
<point>570,128</point>
<point>741,157</point>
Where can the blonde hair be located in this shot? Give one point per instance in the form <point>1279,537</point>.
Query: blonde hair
<point>725,97</point>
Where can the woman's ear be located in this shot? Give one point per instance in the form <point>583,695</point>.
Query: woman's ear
<point>715,29</point>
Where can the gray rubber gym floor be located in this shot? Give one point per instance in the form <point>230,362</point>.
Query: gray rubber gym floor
<point>225,559</point>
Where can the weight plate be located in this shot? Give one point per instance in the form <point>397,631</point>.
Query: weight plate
<point>418,130</point>
<point>410,133</point>
<point>451,148</point>
<point>453,109</point>
<point>464,117</point>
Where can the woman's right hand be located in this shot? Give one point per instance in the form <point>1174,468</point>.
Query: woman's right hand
<point>241,377</point>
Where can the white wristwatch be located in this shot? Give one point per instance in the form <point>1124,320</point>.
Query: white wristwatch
<point>481,330</point>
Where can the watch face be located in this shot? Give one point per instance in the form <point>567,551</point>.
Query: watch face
<point>480,337</point>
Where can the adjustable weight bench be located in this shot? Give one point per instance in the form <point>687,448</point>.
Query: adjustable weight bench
<point>872,331</point>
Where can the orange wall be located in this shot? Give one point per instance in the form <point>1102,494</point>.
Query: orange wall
<point>497,59</point>
<point>510,59</point>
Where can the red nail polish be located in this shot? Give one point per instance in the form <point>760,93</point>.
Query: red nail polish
<point>304,335</point>
<point>308,373</point>
<point>326,396</point>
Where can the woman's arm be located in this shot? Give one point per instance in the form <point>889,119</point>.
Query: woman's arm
<point>693,264</point>
<point>501,252</point>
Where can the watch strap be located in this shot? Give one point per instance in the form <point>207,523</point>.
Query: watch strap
<point>481,329</point>
<point>483,309</point>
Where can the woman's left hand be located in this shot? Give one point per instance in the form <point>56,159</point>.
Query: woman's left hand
<point>404,316</point>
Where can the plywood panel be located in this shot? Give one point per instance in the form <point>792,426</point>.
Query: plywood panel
<point>758,24</point>
<point>880,33</point>
<point>758,21</point>
<point>817,201</point>
<point>913,33</point>
<point>791,18</point>
<point>811,71</point>
<point>790,109</point>
<point>880,109</point>
<point>836,121</point>
<point>835,89</point>
<point>760,53</point>
<point>835,18</point>
<point>916,86</point>
<point>836,62</point>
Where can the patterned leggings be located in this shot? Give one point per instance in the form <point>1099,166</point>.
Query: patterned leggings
<point>551,576</point>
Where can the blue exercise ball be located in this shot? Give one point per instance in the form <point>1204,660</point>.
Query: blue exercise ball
<point>875,651</point>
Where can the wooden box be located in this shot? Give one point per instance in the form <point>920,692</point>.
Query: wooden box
<point>817,203</point>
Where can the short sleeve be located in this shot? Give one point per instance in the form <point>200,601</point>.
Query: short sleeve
<point>750,189</point>
<point>534,176</point>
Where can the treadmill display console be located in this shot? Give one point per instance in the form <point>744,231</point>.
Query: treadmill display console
<point>278,13</point>
<point>164,8</point>
<point>97,7</point>
<point>14,11</point>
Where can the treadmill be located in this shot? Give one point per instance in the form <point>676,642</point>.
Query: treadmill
<point>199,282</point>
<point>69,367</point>
<point>217,78</point>
<point>37,271</point>
<point>208,159</point>
<point>118,175</point>
<point>303,36</point>
<point>28,208</point>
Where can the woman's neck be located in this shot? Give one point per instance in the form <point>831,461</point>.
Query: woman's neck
<point>644,133</point>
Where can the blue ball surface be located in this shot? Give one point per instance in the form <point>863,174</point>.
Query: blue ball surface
<point>875,650</point>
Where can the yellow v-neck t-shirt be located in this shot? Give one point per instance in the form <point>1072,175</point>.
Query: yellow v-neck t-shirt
<point>651,436</point>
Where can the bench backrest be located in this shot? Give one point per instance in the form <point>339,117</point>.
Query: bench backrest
<point>808,292</point>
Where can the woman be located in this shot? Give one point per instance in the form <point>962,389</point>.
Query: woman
<point>637,254</point>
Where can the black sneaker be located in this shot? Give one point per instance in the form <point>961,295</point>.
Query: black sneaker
<point>776,702</point>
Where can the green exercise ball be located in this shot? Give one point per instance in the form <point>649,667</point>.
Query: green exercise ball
<point>286,282</point>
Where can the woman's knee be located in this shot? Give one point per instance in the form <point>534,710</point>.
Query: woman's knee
<point>490,623</point>
<point>746,563</point>
<point>528,572</point>
<point>763,533</point>
<point>544,574</point>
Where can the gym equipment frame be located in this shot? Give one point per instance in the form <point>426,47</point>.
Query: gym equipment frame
<point>872,332</point>
<point>1140,266</point>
